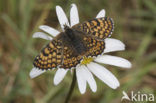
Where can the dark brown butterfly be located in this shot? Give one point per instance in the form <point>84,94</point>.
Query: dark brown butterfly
<point>68,48</point>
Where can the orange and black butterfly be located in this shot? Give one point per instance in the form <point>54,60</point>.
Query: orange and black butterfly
<point>68,48</point>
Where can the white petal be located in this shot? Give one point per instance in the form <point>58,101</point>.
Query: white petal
<point>101,14</point>
<point>113,60</point>
<point>49,30</point>
<point>113,45</point>
<point>89,78</point>
<point>61,17</point>
<point>59,75</point>
<point>104,75</point>
<point>36,72</point>
<point>80,79</point>
<point>42,35</point>
<point>74,17</point>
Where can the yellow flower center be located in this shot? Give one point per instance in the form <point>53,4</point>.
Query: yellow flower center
<point>86,60</point>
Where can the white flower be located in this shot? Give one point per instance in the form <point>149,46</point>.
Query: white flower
<point>84,73</point>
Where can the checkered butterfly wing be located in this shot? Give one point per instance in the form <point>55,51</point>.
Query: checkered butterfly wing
<point>51,56</point>
<point>99,28</point>
<point>94,46</point>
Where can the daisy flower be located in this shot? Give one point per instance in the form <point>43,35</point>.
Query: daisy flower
<point>89,66</point>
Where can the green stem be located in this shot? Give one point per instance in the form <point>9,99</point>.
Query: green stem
<point>71,88</point>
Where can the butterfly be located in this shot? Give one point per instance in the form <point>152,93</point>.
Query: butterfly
<point>68,48</point>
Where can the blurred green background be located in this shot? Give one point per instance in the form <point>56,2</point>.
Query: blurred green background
<point>135,25</point>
